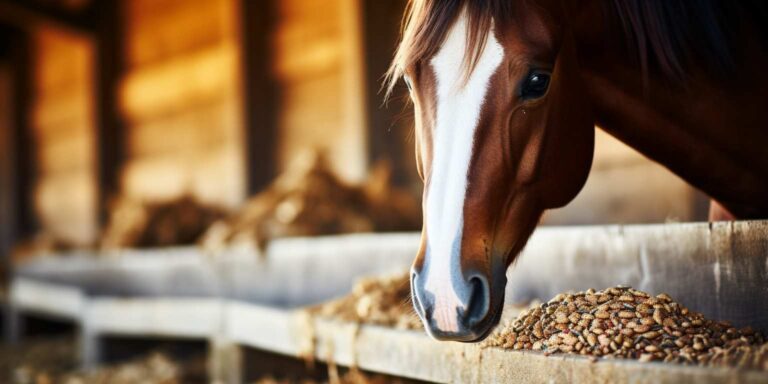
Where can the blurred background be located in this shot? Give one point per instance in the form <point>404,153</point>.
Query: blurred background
<point>145,123</point>
<point>155,100</point>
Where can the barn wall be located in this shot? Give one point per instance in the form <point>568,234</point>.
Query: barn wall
<point>181,102</point>
<point>63,130</point>
<point>319,69</point>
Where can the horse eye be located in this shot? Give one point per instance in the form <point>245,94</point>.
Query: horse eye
<point>535,85</point>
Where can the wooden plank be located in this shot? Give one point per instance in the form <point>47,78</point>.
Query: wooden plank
<point>267,328</point>
<point>64,132</point>
<point>261,95</point>
<point>719,269</point>
<point>6,166</point>
<point>390,125</point>
<point>160,317</point>
<point>395,352</point>
<point>414,355</point>
<point>47,299</point>
<point>108,18</point>
<point>25,151</point>
<point>27,13</point>
<point>295,271</point>
<point>319,66</point>
<point>156,91</point>
<point>162,30</point>
<point>182,79</point>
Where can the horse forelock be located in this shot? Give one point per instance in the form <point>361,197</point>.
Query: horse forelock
<point>426,24</point>
<point>663,35</point>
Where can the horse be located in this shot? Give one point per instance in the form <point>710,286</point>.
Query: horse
<point>507,95</point>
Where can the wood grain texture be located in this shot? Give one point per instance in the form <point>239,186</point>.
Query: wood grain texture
<point>181,101</point>
<point>319,68</point>
<point>62,118</point>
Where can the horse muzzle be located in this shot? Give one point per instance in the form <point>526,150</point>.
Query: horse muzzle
<point>458,308</point>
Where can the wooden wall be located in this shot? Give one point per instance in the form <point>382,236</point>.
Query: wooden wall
<point>63,128</point>
<point>180,99</point>
<point>320,71</point>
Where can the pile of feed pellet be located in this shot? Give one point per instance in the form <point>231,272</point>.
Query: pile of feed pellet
<point>375,300</point>
<point>622,322</point>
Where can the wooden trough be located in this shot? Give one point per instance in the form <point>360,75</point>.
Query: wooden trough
<point>720,270</point>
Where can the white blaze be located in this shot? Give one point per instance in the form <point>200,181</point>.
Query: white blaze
<point>458,110</point>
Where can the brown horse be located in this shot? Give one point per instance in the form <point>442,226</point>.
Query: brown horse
<point>507,94</point>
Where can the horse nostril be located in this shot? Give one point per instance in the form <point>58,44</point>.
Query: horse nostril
<point>479,299</point>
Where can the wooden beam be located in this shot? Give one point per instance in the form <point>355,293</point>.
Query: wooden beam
<point>24,157</point>
<point>107,17</point>
<point>260,93</point>
<point>6,165</point>
<point>388,131</point>
<point>24,13</point>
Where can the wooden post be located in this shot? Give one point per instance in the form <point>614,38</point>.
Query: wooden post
<point>24,156</point>
<point>225,361</point>
<point>106,17</point>
<point>18,171</point>
<point>388,129</point>
<point>6,158</point>
<point>260,92</point>
<point>6,183</point>
<point>90,341</point>
<point>28,13</point>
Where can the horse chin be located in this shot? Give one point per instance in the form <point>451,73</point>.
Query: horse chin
<point>480,331</point>
<point>493,321</point>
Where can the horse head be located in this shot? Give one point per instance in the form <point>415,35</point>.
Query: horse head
<point>503,132</point>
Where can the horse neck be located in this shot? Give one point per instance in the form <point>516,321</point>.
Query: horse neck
<point>711,132</point>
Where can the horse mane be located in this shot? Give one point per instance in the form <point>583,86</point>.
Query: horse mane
<point>664,35</point>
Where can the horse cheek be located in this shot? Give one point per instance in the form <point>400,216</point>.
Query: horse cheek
<point>570,134</point>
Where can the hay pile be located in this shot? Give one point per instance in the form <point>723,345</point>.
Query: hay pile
<point>310,200</point>
<point>381,301</point>
<point>306,200</point>
<point>137,224</point>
